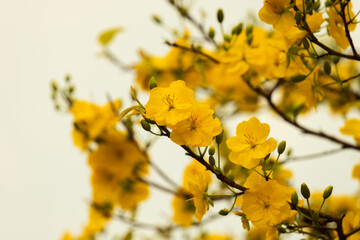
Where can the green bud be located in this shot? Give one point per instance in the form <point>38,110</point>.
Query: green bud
<point>227,38</point>
<point>316,6</point>
<point>305,191</point>
<point>267,157</point>
<point>211,33</point>
<point>328,3</point>
<point>71,89</point>
<point>212,160</point>
<point>294,199</point>
<point>298,17</point>
<point>67,78</point>
<point>305,43</point>
<point>309,5</point>
<point>249,38</point>
<point>157,19</point>
<point>145,125</point>
<point>220,15</point>
<point>219,137</point>
<point>152,83</point>
<point>327,192</point>
<point>238,29</point>
<point>54,86</point>
<point>298,78</point>
<point>281,147</point>
<point>336,59</point>
<point>249,29</point>
<point>212,150</point>
<point>224,212</point>
<point>327,67</point>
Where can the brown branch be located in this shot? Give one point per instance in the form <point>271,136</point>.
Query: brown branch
<point>186,14</point>
<point>346,26</point>
<point>201,160</point>
<point>193,50</point>
<point>313,155</point>
<point>296,124</point>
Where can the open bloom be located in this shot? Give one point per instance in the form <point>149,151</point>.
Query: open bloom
<point>196,181</point>
<point>266,204</point>
<point>198,129</point>
<point>249,145</point>
<point>168,106</point>
<point>352,128</point>
<point>274,12</point>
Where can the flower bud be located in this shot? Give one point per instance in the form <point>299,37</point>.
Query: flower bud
<point>327,192</point>
<point>305,43</point>
<point>327,67</point>
<point>212,160</point>
<point>152,83</point>
<point>212,150</point>
<point>305,191</point>
<point>224,212</point>
<point>298,17</point>
<point>157,19</point>
<point>211,33</point>
<point>281,147</point>
<point>294,199</point>
<point>220,15</point>
<point>145,125</point>
<point>336,59</point>
<point>219,137</point>
<point>249,29</point>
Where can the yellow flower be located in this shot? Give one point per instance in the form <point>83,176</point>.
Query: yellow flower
<point>275,12</point>
<point>130,193</point>
<point>266,203</point>
<point>196,180</point>
<point>183,211</point>
<point>120,156</point>
<point>249,145</point>
<point>215,237</point>
<point>262,233</point>
<point>198,129</point>
<point>356,171</point>
<point>351,222</point>
<point>352,128</point>
<point>96,224</point>
<point>168,106</point>
<point>91,121</point>
<point>336,25</point>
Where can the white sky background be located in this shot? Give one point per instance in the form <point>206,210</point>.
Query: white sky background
<point>44,179</point>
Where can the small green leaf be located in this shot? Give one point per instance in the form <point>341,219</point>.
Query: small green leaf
<point>107,36</point>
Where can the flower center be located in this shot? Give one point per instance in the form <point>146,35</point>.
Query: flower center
<point>193,122</point>
<point>169,100</point>
<point>251,140</point>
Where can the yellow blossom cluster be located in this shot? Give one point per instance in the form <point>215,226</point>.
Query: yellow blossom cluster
<point>192,122</point>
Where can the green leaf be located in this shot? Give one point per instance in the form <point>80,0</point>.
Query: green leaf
<point>107,36</point>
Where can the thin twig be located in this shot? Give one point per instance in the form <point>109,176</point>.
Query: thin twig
<point>312,155</point>
<point>193,50</point>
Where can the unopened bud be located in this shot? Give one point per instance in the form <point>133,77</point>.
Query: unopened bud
<point>294,199</point>
<point>152,83</point>
<point>298,17</point>
<point>281,147</point>
<point>220,15</point>
<point>327,67</point>
<point>145,125</point>
<point>211,33</point>
<point>305,43</point>
<point>157,19</point>
<point>336,59</point>
<point>327,192</point>
<point>219,137</point>
<point>212,160</point>
<point>305,191</point>
<point>212,150</point>
<point>224,212</point>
